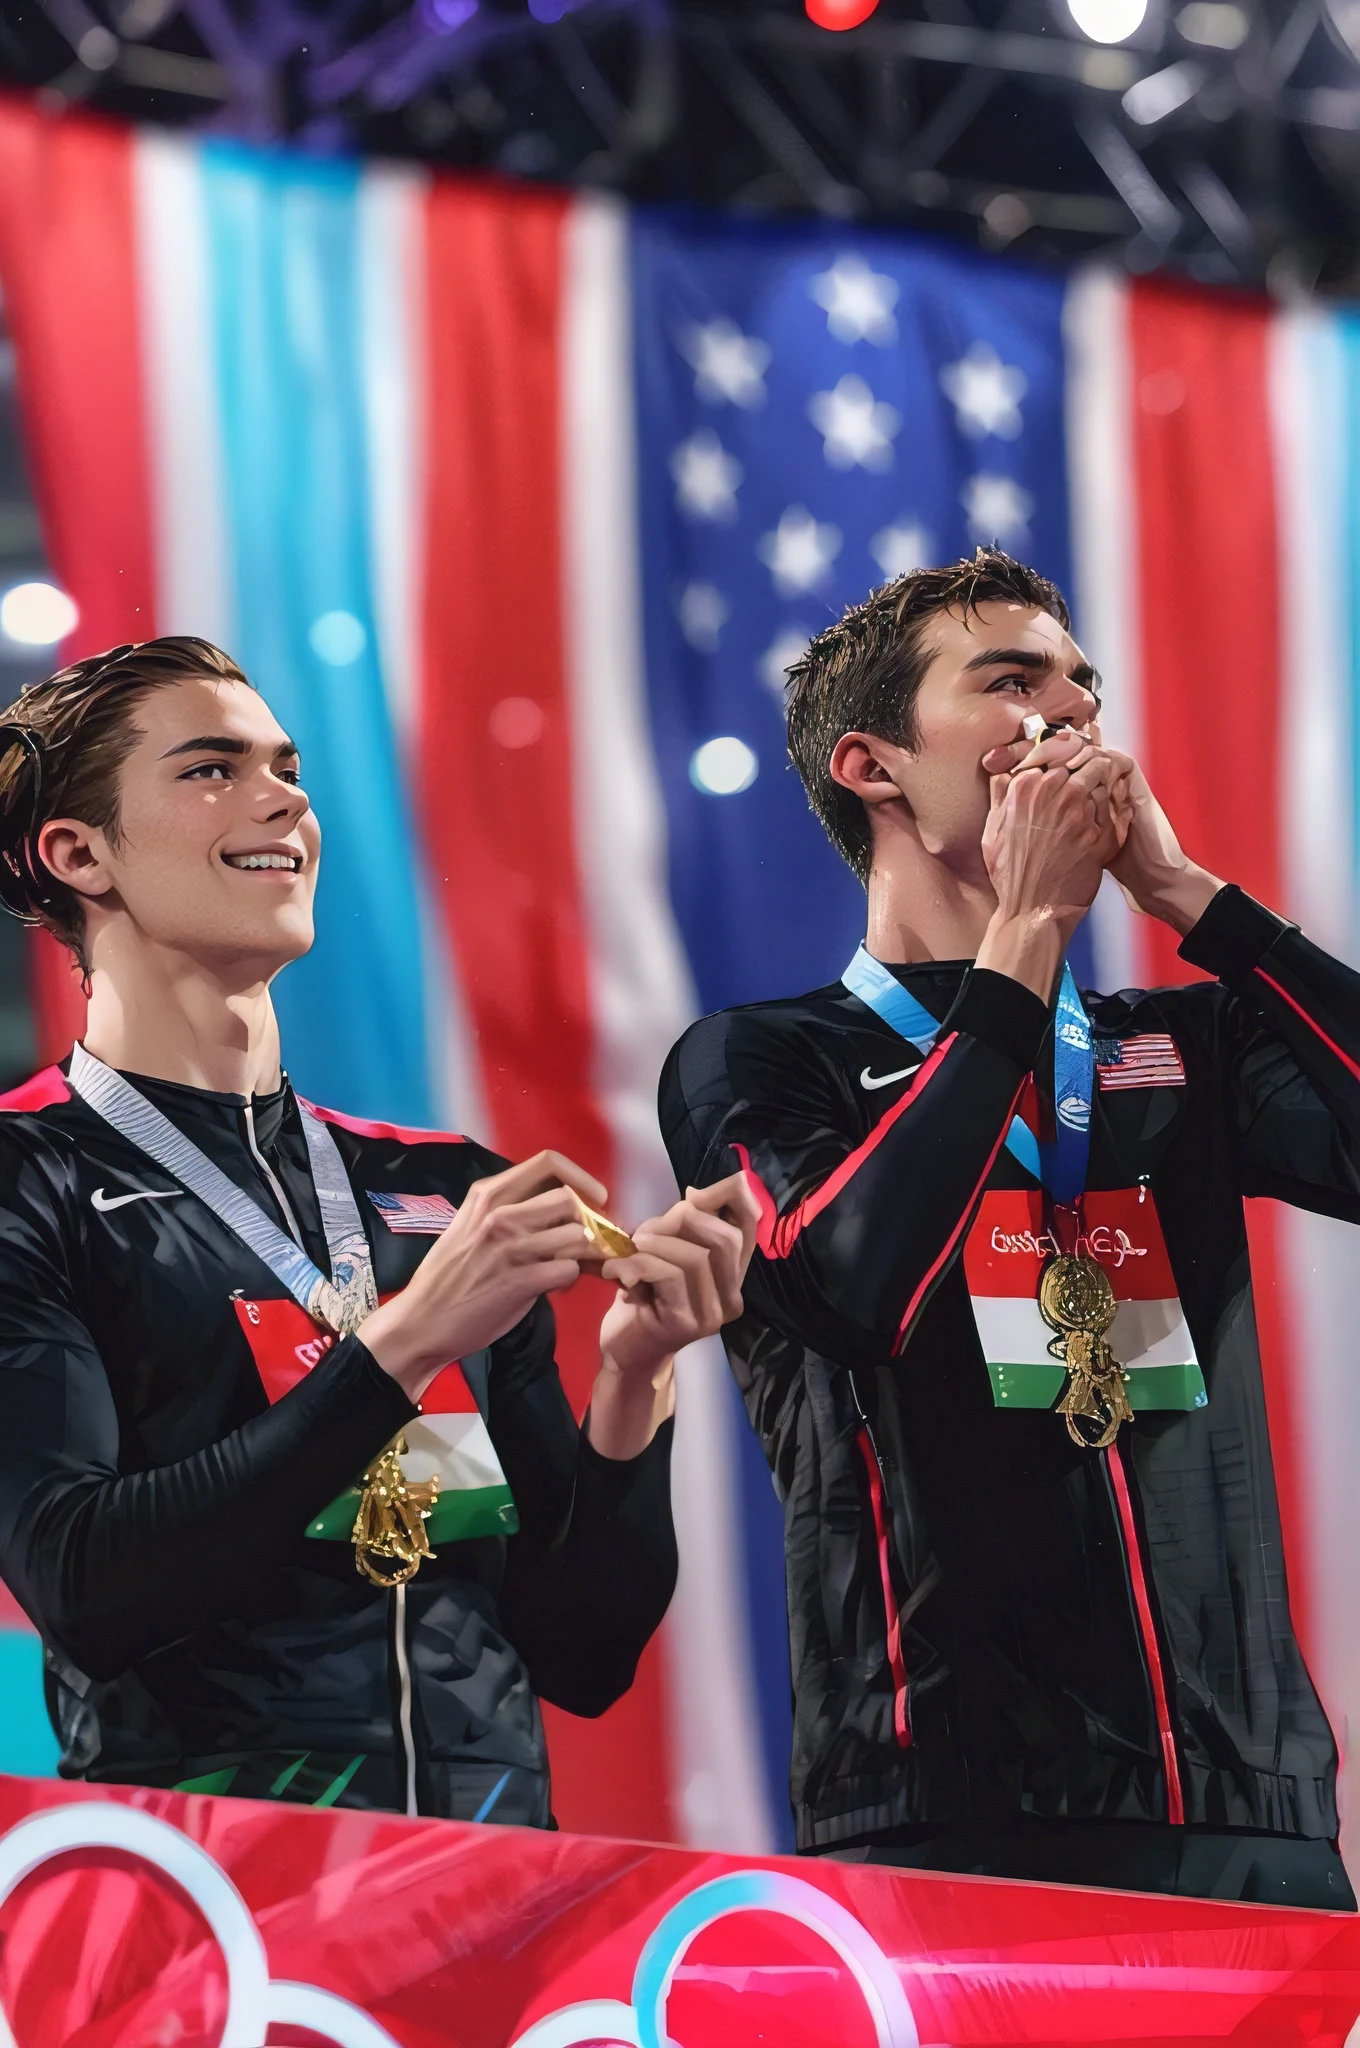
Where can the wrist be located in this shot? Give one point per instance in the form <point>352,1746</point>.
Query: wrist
<point>1178,896</point>
<point>392,1342</point>
<point>1029,946</point>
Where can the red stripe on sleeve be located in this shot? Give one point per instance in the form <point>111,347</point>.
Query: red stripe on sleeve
<point>366,1127</point>
<point>775,1234</point>
<point>1283,993</point>
<point>891,1613</point>
<point>959,1227</point>
<point>40,1092</point>
<point>1175,1801</point>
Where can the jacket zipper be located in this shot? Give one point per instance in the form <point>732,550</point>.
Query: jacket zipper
<point>1119,1487</point>
<point>406,1742</point>
<point>892,1615</point>
<point>276,1185</point>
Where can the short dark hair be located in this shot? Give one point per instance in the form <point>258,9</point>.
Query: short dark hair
<point>62,746</point>
<point>864,673</point>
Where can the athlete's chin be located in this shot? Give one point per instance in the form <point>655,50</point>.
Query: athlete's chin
<point>269,942</point>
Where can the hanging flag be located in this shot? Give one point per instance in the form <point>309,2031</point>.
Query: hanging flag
<point>517,506</point>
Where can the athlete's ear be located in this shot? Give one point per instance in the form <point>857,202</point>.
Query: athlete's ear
<point>860,762</point>
<point>77,855</point>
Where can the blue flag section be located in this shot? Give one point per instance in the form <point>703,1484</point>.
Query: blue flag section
<point>287,326</point>
<point>817,411</point>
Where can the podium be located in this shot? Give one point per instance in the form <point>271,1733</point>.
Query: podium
<point>140,1919</point>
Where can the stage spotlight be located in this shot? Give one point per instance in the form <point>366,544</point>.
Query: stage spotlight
<point>723,767</point>
<point>1108,21</point>
<point>36,614</point>
<point>839,13</point>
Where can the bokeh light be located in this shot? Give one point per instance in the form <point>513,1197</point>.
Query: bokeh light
<point>723,767</point>
<point>36,614</point>
<point>1107,21</point>
<point>337,638</point>
<point>839,13</point>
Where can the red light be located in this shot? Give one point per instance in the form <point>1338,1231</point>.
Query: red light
<point>839,13</point>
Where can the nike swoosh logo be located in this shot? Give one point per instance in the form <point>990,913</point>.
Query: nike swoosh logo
<point>99,1200</point>
<point>868,1080</point>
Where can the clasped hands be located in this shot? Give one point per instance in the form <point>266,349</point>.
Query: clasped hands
<point>1051,835</point>
<point>517,1235</point>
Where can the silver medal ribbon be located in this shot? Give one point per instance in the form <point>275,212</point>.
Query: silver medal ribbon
<point>341,1301</point>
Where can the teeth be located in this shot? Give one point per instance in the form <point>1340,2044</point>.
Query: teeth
<point>263,860</point>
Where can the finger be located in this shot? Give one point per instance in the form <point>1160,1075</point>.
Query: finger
<point>648,1280</point>
<point>714,1234</point>
<point>733,1199</point>
<point>691,1261</point>
<point>1026,753</point>
<point>545,1170</point>
<point>562,1241</point>
<point>547,1276</point>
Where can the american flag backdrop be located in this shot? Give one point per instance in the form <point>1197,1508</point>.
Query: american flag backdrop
<point>516,505</point>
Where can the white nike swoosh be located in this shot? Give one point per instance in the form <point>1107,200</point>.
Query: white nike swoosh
<point>868,1080</point>
<point>99,1200</point>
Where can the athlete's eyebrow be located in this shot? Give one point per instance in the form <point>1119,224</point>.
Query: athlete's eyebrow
<point>219,743</point>
<point>1009,657</point>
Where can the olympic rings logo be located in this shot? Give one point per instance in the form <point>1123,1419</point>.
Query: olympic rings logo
<point>255,2001</point>
<point>642,2023</point>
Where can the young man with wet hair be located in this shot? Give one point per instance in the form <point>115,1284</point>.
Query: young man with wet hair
<point>998,1342</point>
<point>276,1543</point>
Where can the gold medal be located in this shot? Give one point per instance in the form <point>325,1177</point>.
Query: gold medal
<point>1077,1300</point>
<point>605,1237</point>
<point>389,1530</point>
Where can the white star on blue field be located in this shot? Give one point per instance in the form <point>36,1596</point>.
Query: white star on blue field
<point>817,412</point>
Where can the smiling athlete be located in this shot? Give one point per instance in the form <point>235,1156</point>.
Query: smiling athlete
<point>275,1543</point>
<point>998,1342</point>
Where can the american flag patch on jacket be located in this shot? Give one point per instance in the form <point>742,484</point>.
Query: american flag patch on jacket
<point>1147,1060</point>
<point>414,1215</point>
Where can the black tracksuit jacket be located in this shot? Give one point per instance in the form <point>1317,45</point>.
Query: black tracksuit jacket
<point>987,1622</point>
<point>152,1502</point>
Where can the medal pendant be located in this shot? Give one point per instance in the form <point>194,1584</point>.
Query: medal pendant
<point>1077,1301</point>
<point>604,1236</point>
<point>389,1530</point>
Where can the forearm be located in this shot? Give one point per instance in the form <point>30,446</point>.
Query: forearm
<point>1028,949</point>
<point>627,1408</point>
<point>581,1612</point>
<point>1178,893</point>
<point>1309,1000</point>
<point>112,1569</point>
<point>864,1251</point>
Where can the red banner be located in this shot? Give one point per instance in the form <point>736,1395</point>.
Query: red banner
<point>131,1917</point>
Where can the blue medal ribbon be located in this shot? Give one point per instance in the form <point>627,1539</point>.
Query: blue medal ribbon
<point>1059,1166</point>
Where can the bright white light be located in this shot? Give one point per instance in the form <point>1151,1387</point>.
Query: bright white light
<point>36,614</point>
<point>723,767</point>
<point>337,638</point>
<point>1151,99</point>
<point>1213,23</point>
<point>1107,21</point>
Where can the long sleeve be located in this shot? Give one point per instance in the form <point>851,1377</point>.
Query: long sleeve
<point>853,1237</point>
<point>592,1570</point>
<point>112,1565</point>
<point>1287,1049</point>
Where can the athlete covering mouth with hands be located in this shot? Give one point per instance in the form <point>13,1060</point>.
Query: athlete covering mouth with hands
<point>227,1318</point>
<point>998,1341</point>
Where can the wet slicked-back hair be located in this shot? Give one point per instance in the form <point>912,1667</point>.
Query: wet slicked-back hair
<point>62,749</point>
<point>864,674</point>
